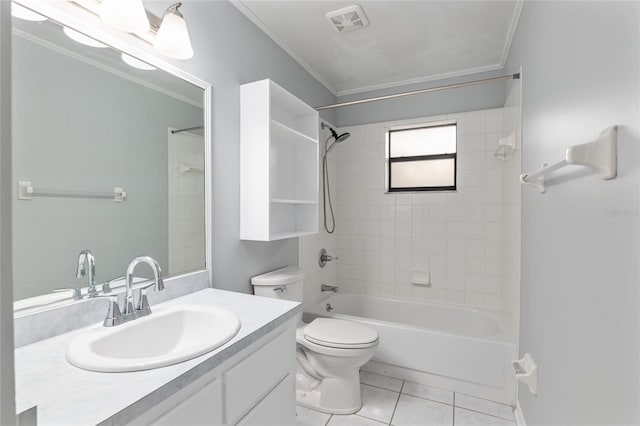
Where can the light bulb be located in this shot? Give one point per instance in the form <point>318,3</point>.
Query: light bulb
<point>173,36</point>
<point>82,39</point>
<point>125,15</point>
<point>136,63</point>
<point>22,12</point>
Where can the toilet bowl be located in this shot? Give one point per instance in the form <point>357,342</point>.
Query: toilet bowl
<point>329,352</point>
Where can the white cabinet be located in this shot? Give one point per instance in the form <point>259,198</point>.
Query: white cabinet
<point>271,410</point>
<point>278,164</point>
<point>254,387</point>
<point>202,407</point>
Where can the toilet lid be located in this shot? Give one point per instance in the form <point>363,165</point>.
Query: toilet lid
<point>340,333</point>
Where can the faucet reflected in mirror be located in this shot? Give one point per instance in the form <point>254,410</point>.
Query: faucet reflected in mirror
<point>126,114</point>
<point>87,267</point>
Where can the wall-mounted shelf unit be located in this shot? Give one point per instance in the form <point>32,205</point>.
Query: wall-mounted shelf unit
<point>278,164</point>
<point>599,155</point>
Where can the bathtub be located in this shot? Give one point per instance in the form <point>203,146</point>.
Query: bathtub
<point>455,348</point>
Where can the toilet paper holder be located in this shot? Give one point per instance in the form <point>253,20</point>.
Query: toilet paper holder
<point>527,372</point>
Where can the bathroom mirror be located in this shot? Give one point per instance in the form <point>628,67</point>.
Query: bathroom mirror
<point>108,155</point>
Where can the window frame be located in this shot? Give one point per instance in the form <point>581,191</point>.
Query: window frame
<point>389,160</point>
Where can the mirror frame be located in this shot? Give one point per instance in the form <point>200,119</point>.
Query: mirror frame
<point>68,14</point>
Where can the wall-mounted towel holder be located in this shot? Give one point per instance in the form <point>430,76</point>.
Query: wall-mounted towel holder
<point>599,155</point>
<point>184,169</point>
<point>26,191</point>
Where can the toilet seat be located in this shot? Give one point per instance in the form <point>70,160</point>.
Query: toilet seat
<point>340,334</point>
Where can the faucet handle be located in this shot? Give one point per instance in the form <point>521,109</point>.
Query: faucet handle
<point>106,286</point>
<point>77,293</point>
<point>113,313</point>
<point>143,302</point>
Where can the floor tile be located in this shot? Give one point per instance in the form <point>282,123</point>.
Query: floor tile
<point>384,382</point>
<point>473,418</point>
<point>412,411</point>
<point>377,404</point>
<point>428,392</point>
<point>307,417</point>
<point>353,420</point>
<point>484,406</point>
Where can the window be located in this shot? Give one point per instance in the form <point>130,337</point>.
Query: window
<point>421,158</point>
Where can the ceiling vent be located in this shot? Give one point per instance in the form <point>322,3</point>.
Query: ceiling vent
<point>347,19</point>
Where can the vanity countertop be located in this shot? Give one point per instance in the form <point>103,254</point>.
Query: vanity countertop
<point>67,395</point>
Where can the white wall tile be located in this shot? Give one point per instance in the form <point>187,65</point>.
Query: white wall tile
<point>462,238</point>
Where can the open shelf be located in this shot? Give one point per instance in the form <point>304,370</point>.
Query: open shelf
<point>289,219</point>
<point>278,164</point>
<point>285,235</point>
<point>293,132</point>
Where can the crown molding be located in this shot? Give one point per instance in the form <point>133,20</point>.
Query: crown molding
<point>515,18</point>
<point>258,22</point>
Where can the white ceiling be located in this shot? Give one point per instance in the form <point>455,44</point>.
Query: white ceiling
<point>406,41</point>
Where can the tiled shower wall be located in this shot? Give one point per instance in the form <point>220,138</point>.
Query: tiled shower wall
<point>384,240</point>
<point>186,202</point>
<point>511,221</point>
<point>309,246</point>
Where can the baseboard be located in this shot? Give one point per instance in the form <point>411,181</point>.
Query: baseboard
<point>520,421</point>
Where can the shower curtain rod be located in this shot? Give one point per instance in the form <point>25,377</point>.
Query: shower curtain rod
<point>173,132</point>
<point>418,92</point>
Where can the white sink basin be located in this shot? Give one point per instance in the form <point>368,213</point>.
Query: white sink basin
<point>167,336</point>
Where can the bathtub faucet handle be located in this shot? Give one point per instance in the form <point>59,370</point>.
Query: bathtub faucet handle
<point>325,257</point>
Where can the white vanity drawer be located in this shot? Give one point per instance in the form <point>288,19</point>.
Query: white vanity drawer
<point>276,409</point>
<point>196,408</point>
<point>254,377</point>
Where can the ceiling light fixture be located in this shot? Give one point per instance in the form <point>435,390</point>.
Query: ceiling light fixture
<point>136,63</point>
<point>82,39</point>
<point>125,15</point>
<point>22,12</point>
<point>173,38</point>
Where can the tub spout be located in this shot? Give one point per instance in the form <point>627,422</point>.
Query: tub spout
<point>332,288</point>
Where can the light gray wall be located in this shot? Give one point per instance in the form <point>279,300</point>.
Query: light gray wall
<point>580,294</point>
<point>472,98</point>
<point>7,397</point>
<point>230,51</point>
<point>80,127</point>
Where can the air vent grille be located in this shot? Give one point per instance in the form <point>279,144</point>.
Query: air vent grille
<point>349,18</point>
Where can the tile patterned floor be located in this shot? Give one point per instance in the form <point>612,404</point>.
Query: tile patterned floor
<point>390,401</point>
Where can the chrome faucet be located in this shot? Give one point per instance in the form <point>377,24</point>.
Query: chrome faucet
<point>87,267</point>
<point>116,316</point>
<point>332,288</point>
<point>158,285</point>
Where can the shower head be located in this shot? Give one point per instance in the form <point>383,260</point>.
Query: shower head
<point>341,138</point>
<point>337,138</point>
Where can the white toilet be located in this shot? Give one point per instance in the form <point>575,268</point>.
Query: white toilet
<point>330,351</point>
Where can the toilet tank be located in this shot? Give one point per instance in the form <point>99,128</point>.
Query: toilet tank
<point>285,284</point>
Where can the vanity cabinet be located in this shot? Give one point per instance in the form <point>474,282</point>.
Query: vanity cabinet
<point>254,387</point>
<point>278,164</point>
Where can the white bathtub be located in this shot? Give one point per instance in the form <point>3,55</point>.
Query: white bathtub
<point>455,348</point>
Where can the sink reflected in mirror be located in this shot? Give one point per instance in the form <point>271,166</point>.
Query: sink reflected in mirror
<point>170,335</point>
